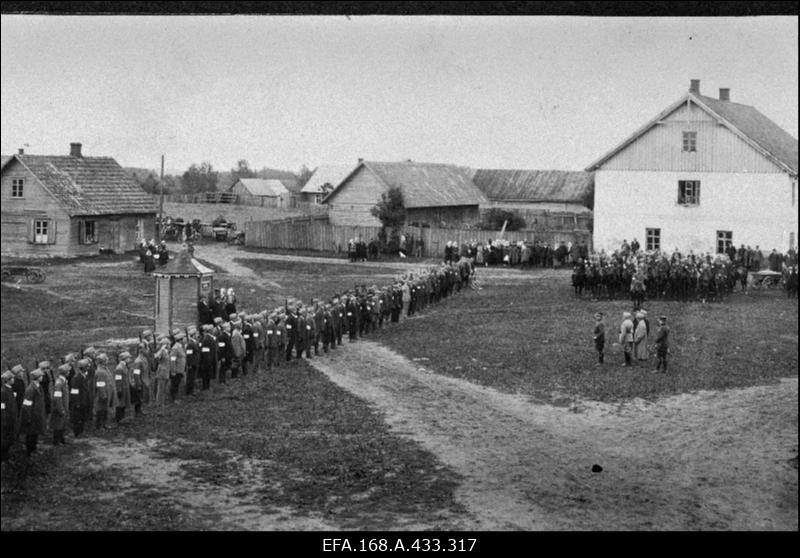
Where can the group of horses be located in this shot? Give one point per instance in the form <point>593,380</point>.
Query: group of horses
<point>651,276</point>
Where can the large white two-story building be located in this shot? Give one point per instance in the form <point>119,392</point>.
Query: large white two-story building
<point>703,174</point>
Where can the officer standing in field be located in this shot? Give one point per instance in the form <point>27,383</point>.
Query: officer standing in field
<point>626,337</point>
<point>60,413</point>
<point>9,414</point>
<point>32,421</point>
<point>599,336</point>
<point>662,345</point>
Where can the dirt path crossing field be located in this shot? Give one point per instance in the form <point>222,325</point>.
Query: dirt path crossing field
<point>700,461</point>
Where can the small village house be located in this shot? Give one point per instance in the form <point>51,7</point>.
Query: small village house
<point>703,174</point>
<point>434,194</point>
<point>265,192</point>
<point>71,205</point>
<point>323,181</point>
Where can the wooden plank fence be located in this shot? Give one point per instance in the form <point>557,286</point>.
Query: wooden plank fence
<point>318,234</point>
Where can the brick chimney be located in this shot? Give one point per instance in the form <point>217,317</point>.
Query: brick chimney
<point>75,150</point>
<point>21,151</point>
<point>360,160</point>
<point>694,86</point>
<point>724,94</point>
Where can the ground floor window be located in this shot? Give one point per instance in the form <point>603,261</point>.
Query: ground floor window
<point>724,241</point>
<point>87,232</point>
<point>652,239</point>
<point>41,231</point>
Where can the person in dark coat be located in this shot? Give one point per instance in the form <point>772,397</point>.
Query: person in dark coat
<point>291,332</point>
<point>224,353</point>
<point>19,385</point>
<point>80,401</point>
<point>163,254</point>
<point>599,336</point>
<point>662,345</point>
<point>208,357</point>
<point>60,415</point>
<point>8,421</point>
<point>205,315</point>
<point>192,360</point>
<point>32,421</point>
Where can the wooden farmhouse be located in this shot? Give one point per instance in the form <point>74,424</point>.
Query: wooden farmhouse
<point>323,181</point>
<point>434,194</point>
<point>267,192</point>
<point>547,198</point>
<point>71,205</point>
<point>703,174</point>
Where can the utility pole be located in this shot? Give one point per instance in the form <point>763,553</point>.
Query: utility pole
<point>161,202</point>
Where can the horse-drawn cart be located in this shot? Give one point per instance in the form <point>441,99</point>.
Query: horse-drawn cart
<point>31,274</point>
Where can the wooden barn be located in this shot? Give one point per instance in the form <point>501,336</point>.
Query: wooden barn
<point>71,205</point>
<point>269,192</point>
<point>702,175</point>
<point>434,194</point>
<point>539,196</point>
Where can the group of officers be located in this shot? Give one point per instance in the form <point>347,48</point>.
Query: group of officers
<point>86,389</point>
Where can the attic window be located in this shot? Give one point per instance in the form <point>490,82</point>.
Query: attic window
<point>17,188</point>
<point>689,141</point>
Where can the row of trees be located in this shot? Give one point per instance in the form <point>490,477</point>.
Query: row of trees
<point>199,178</point>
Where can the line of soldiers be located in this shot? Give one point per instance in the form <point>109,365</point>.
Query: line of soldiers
<point>655,274</point>
<point>86,389</point>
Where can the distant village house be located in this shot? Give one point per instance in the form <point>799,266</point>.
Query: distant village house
<point>266,192</point>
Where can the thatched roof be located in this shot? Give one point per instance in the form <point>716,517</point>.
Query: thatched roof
<point>88,185</point>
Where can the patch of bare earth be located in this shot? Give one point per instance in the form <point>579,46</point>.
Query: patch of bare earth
<point>233,503</point>
<point>702,461</point>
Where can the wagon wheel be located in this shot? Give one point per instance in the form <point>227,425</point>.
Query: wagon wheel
<point>6,275</point>
<point>34,276</point>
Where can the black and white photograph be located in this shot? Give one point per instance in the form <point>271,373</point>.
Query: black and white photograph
<point>406,277</point>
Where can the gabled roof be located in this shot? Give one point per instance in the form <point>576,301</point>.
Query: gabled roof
<point>271,187</point>
<point>326,174</point>
<point>424,184</point>
<point>184,265</point>
<point>534,185</point>
<point>745,121</point>
<point>88,185</point>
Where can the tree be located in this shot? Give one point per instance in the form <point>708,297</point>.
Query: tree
<point>202,178</point>
<point>303,176</point>
<point>495,217</point>
<point>242,170</point>
<point>391,212</point>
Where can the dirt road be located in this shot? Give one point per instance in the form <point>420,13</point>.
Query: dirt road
<point>700,461</point>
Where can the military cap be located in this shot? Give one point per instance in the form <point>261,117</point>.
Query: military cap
<point>70,357</point>
<point>147,333</point>
<point>102,358</point>
<point>232,317</point>
<point>180,335</point>
<point>36,374</point>
<point>662,318</point>
<point>644,312</point>
<point>176,331</point>
<point>83,363</point>
<point>44,364</point>
<point>124,354</point>
<point>89,351</point>
<point>7,375</point>
<point>64,368</point>
<point>236,324</point>
<point>242,314</point>
<point>207,327</point>
<point>226,327</point>
<point>217,320</point>
<point>598,315</point>
<point>18,368</point>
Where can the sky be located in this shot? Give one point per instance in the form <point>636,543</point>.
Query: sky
<point>526,92</point>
